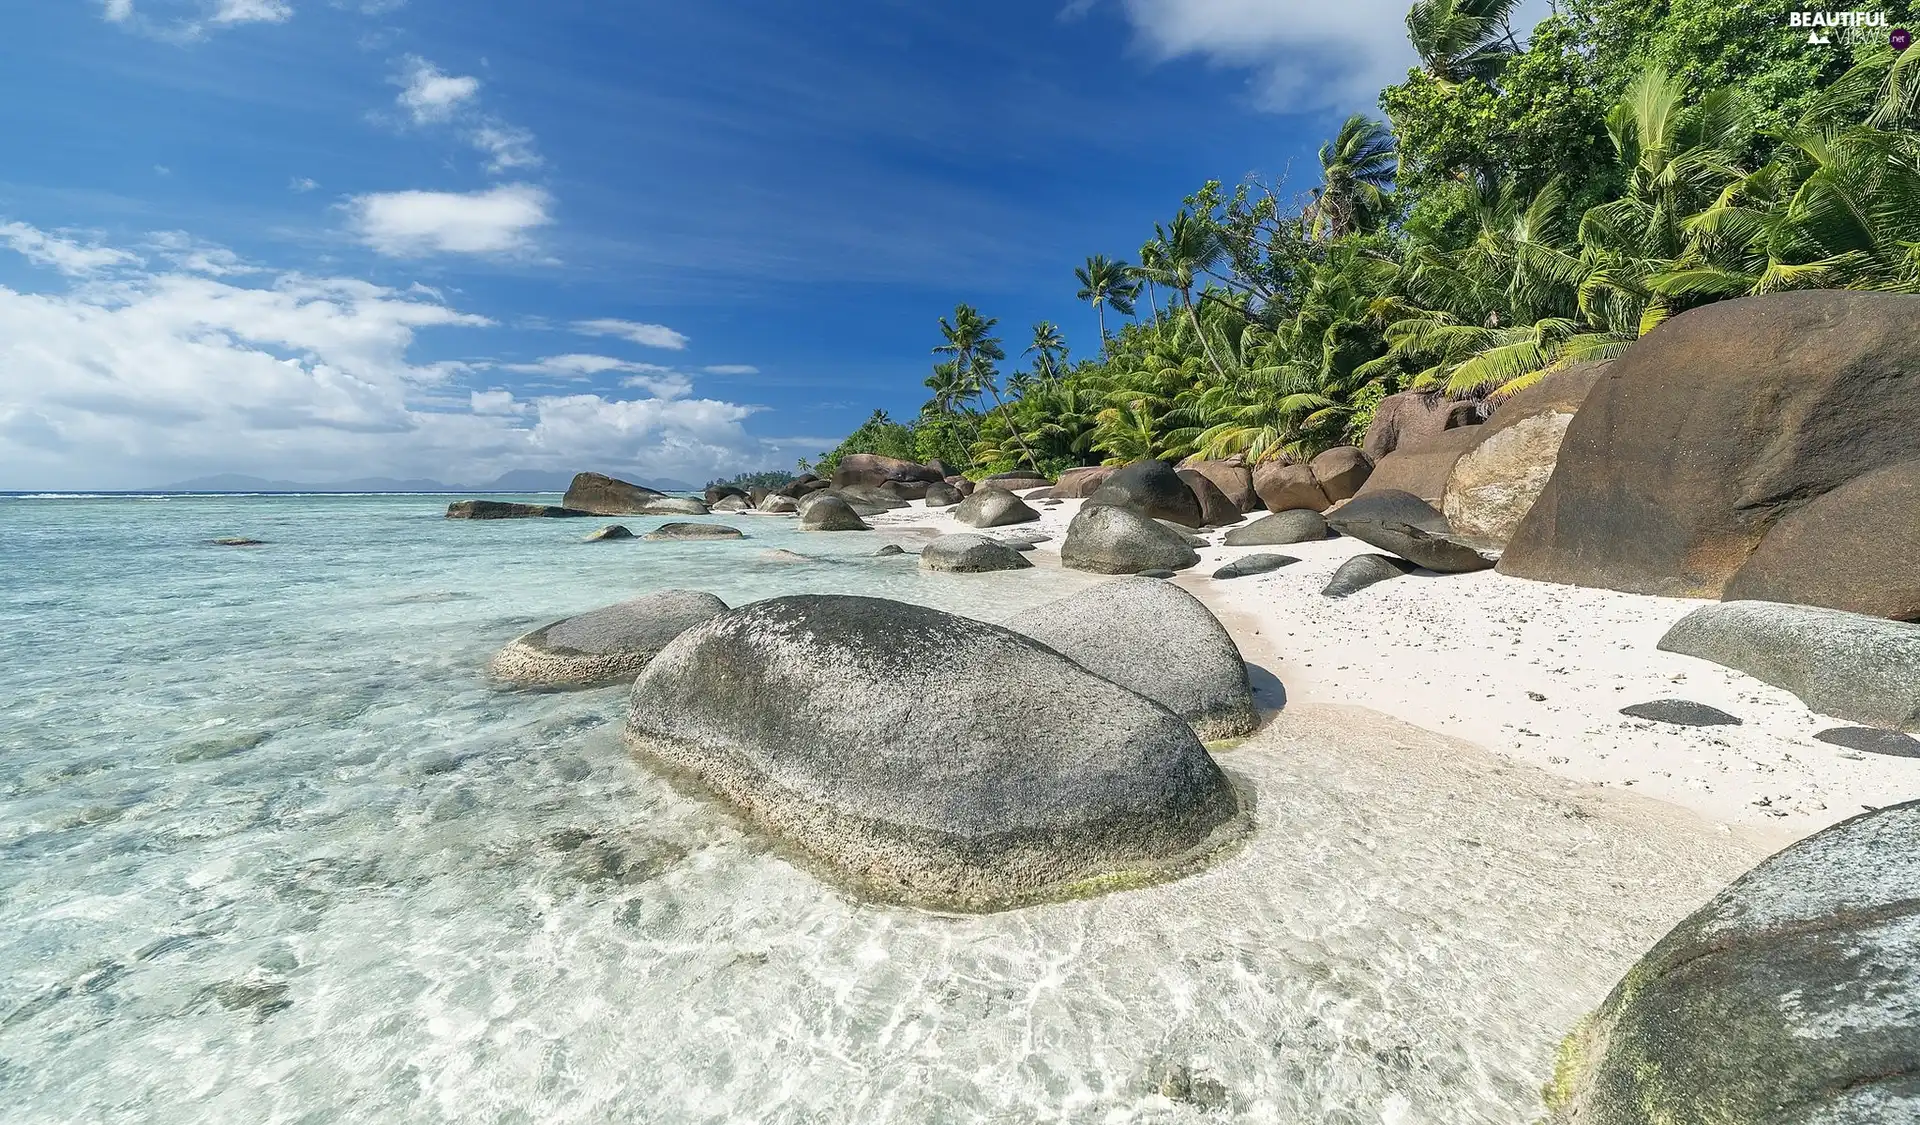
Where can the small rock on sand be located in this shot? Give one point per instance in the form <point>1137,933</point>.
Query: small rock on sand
<point>1254,564</point>
<point>1682,713</point>
<point>1872,740</point>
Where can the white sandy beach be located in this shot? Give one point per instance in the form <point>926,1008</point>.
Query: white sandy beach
<point>1467,655</point>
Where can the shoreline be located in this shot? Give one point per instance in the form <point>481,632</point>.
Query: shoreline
<point>1528,673</point>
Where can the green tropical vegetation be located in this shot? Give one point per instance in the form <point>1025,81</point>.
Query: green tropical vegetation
<point>1523,205</point>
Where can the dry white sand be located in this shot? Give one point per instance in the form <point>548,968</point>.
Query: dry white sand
<point>1529,671</point>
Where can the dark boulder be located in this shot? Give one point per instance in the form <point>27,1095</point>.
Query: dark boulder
<point>936,465</point>
<point>602,495</point>
<point>870,470</point>
<point>694,531</point>
<point>1362,571</point>
<point>967,553</point>
<point>929,758</point>
<point>237,541</point>
<point>830,513</point>
<point>1301,525</point>
<point>1790,999</point>
<point>1681,713</point>
<point>1872,740</point>
<point>504,510</point>
<point>890,550</point>
<point>802,485</point>
<point>961,485</point>
<point>1248,565</point>
<point>1231,476</point>
<point>1155,639</point>
<point>906,490</point>
<point>942,495</point>
<point>1077,484</point>
<point>990,506</point>
<point>1715,427</point>
<point>1113,540</point>
<point>755,495</point>
<point>603,646</point>
<point>1284,487</point>
<point>1856,548</point>
<point>718,492</point>
<point>1216,510</point>
<point>1019,481</point>
<point>1862,669</point>
<point>878,499</point>
<point>1409,527</point>
<point>611,531</point>
<point>1151,488</point>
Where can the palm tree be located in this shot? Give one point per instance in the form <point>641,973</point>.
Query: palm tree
<point>1048,349</point>
<point>950,388</point>
<point>1151,252</point>
<point>1460,39</point>
<point>975,352</point>
<point>1356,169</point>
<point>1190,246</point>
<point>1104,282</point>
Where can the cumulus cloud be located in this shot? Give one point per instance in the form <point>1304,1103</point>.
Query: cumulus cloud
<point>731,369</point>
<point>140,375</point>
<point>252,11</point>
<point>183,21</point>
<point>117,11</point>
<point>429,94</point>
<point>404,224</point>
<point>63,254</point>
<point>651,335</point>
<point>1304,56</point>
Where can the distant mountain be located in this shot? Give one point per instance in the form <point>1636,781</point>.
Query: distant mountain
<point>519,480</point>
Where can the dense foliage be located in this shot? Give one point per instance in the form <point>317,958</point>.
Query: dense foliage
<point>1523,207</point>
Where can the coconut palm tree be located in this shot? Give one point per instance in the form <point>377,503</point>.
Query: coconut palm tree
<point>1356,169</point>
<point>1461,39</point>
<point>1049,349</point>
<point>1190,246</point>
<point>1151,253</point>
<point>1106,282</point>
<point>975,353</point>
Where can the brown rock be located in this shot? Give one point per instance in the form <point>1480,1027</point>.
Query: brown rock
<point>1215,509</point>
<point>1493,484</point>
<point>870,470</point>
<point>1341,471</point>
<point>1285,487</point>
<point>1412,419</point>
<point>1717,426</point>
<point>1077,484</point>
<point>961,485</point>
<point>1422,469</point>
<point>602,495</point>
<point>1856,548</point>
<point>1231,477</point>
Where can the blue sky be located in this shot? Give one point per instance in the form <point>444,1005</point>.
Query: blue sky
<point>321,239</point>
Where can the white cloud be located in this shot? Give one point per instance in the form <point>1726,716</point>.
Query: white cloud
<point>63,254</point>
<point>252,11</point>
<point>1305,56</point>
<point>146,376</point>
<point>506,146</point>
<point>413,223</point>
<point>651,335</point>
<point>117,11</point>
<point>731,369</point>
<point>665,382</point>
<point>429,94</point>
<point>302,184</point>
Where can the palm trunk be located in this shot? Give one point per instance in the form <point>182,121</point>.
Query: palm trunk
<point>1100,310</point>
<point>1153,301</point>
<point>1194,317</point>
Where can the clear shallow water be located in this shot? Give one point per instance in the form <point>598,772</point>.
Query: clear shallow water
<point>270,850</point>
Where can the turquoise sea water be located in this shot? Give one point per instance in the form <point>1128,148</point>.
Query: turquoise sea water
<point>272,850</point>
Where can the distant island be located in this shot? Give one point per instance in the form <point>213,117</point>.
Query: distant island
<point>520,480</point>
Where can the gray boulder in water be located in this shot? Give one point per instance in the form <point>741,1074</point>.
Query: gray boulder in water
<point>695,531</point>
<point>609,532</point>
<point>1300,525</point>
<point>1793,998</point>
<point>507,510</point>
<point>1408,526</point>
<point>929,758</point>
<point>1153,638</point>
<point>1362,571</point>
<point>672,506</point>
<point>602,646</point>
<point>1854,667</point>
<point>1108,539</point>
<point>992,506</point>
<point>830,513</point>
<point>970,554</point>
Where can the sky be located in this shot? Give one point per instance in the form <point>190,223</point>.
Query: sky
<point>325,239</point>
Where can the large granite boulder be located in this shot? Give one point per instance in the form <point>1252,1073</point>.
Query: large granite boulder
<point>830,513</point>
<point>694,532</point>
<point>1231,476</point>
<point>928,758</point>
<point>1848,665</point>
<point>672,506</point>
<point>1716,426</point>
<point>1341,471</point>
<point>1423,469</point>
<point>1792,998</point>
<point>602,646</point>
<point>906,490</point>
<point>1301,525</point>
<point>1284,487</point>
<point>1078,484</point>
<point>870,470</point>
<point>802,485</point>
<point>507,510</point>
<point>1216,510</point>
<point>967,553</point>
<point>603,495</point>
<point>1490,487</point>
<point>718,492</point>
<point>1411,419</point>
<point>1018,480</point>
<point>1153,638</point>
<point>937,465</point>
<point>1408,526</point>
<point>860,507</point>
<point>942,495</point>
<point>879,499</point>
<point>779,504</point>
<point>990,506</point>
<point>1856,548</point>
<point>1112,540</point>
<point>1151,488</point>
<point>733,504</point>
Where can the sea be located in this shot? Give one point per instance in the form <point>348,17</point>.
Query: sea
<point>273,850</point>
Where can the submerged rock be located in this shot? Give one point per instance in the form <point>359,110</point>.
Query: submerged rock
<point>1114,540</point>
<point>611,531</point>
<point>504,510</point>
<point>695,531</point>
<point>1790,999</point>
<point>970,554</point>
<point>1681,713</point>
<point>602,646</point>
<point>238,541</point>
<point>1153,638</point>
<point>1853,667</point>
<point>890,549</point>
<point>929,758</point>
<point>1362,571</point>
